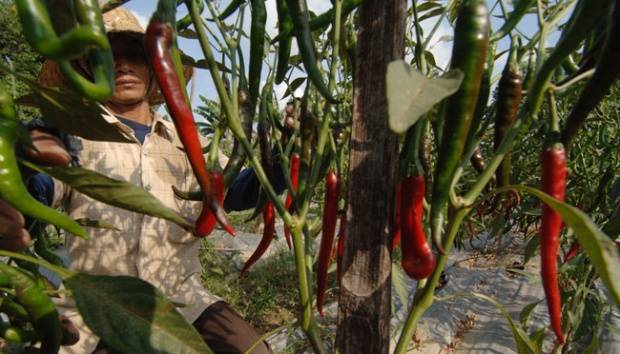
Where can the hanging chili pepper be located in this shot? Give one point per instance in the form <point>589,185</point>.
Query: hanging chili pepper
<point>606,73</point>
<point>285,24</point>
<point>12,189</point>
<point>160,42</point>
<point>206,223</point>
<point>305,43</point>
<point>418,260</point>
<point>269,231</point>
<point>40,33</point>
<point>238,156</point>
<point>257,47</point>
<point>330,215</point>
<point>321,21</point>
<point>186,21</point>
<point>98,84</point>
<point>15,334</point>
<point>471,39</point>
<point>553,183</point>
<point>40,308</point>
<point>572,252</point>
<point>507,104</point>
<point>397,215</point>
<point>295,163</point>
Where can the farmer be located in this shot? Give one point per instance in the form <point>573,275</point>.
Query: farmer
<point>150,248</point>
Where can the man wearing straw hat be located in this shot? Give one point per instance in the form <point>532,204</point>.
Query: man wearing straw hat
<point>152,249</point>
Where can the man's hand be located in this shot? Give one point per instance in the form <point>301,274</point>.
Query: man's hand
<point>51,152</point>
<point>13,236</point>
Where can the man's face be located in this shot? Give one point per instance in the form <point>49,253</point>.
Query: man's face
<point>131,71</point>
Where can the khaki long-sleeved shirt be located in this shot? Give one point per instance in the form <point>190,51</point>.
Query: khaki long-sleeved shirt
<point>146,247</point>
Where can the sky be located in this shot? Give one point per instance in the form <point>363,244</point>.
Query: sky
<point>440,44</point>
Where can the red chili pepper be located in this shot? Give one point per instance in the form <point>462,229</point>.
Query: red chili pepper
<point>572,252</point>
<point>396,226</point>
<point>330,214</point>
<point>340,246</point>
<point>553,183</point>
<point>269,231</point>
<point>158,41</point>
<point>418,259</point>
<point>295,163</point>
<point>206,223</point>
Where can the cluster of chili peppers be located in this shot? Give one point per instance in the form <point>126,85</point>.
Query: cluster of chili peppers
<point>160,43</point>
<point>84,34</point>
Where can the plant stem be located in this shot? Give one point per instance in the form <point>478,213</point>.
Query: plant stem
<point>424,297</point>
<point>307,319</point>
<point>324,131</point>
<point>294,224</point>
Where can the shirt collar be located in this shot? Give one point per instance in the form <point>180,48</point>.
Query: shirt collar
<point>160,125</point>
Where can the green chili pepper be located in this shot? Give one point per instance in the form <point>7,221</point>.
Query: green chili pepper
<point>69,17</point>
<point>39,306</point>
<point>186,21</point>
<point>469,52</point>
<point>285,24</point>
<point>530,75</point>
<point>231,8</point>
<point>238,156</point>
<point>12,308</point>
<point>257,47</point>
<point>12,189</point>
<point>606,73</point>
<point>305,42</point>
<point>264,134</point>
<point>15,334</point>
<point>477,128</point>
<point>39,32</point>
<point>321,21</point>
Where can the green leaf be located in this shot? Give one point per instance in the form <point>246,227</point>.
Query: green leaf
<point>399,283</point>
<point>131,315</point>
<point>427,6</point>
<point>294,85</point>
<point>531,248</point>
<point>411,94</point>
<point>524,316</point>
<point>97,223</point>
<point>113,192</point>
<point>432,13</point>
<point>73,114</point>
<point>601,250</point>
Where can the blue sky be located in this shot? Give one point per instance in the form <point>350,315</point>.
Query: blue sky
<point>440,48</point>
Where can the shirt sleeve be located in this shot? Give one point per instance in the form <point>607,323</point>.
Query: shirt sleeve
<point>243,192</point>
<point>41,187</point>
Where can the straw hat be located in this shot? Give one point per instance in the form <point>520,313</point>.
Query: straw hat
<point>119,21</point>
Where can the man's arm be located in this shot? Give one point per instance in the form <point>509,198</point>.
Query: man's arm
<point>243,192</point>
